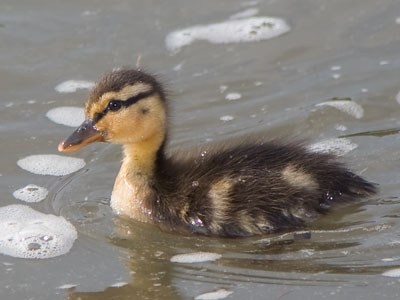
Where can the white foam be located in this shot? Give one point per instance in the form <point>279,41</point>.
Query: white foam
<point>27,233</point>
<point>67,286</point>
<point>178,67</point>
<point>215,295</point>
<point>336,68</point>
<point>349,107</point>
<point>392,273</point>
<point>390,259</point>
<point>222,88</point>
<point>231,31</point>
<point>398,97</point>
<point>51,164</point>
<point>340,127</point>
<point>31,193</point>
<point>67,115</point>
<point>226,118</point>
<point>71,86</point>
<point>245,14</point>
<point>195,257</point>
<point>337,146</point>
<point>233,96</point>
<point>119,284</point>
<point>307,252</point>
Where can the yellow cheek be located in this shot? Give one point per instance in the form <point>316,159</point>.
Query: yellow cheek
<point>135,123</point>
<point>120,127</point>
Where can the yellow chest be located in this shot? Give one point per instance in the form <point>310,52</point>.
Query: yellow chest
<point>129,199</point>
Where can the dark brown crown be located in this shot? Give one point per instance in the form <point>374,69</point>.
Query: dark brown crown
<point>115,81</point>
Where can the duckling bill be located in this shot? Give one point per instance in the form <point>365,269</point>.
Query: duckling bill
<point>245,190</point>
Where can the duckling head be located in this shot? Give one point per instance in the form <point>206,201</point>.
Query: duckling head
<point>126,106</point>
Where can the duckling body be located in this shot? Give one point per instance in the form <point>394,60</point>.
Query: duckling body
<point>244,190</point>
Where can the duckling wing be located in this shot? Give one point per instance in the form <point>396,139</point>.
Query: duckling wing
<point>258,188</point>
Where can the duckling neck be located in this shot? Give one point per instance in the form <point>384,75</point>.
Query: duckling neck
<point>139,159</point>
<point>133,194</point>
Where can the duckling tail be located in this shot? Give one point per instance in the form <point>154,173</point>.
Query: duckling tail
<point>348,187</point>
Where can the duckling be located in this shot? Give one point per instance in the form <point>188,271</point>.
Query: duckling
<point>250,189</point>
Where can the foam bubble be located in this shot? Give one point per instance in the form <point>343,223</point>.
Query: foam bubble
<point>66,115</point>
<point>336,68</point>
<point>340,127</point>
<point>389,259</point>
<point>233,96</point>
<point>231,31</point>
<point>398,97</point>
<point>337,146</point>
<point>226,118</point>
<point>67,286</point>
<point>27,233</point>
<point>392,273</point>
<point>215,295</point>
<point>119,284</point>
<point>222,88</point>
<point>71,86</point>
<point>31,193</point>
<point>178,67</point>
<point>195,257</point>
<point>51,164</point>
<point>349,107</point>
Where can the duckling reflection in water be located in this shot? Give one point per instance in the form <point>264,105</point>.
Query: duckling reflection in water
<point>244,190</point>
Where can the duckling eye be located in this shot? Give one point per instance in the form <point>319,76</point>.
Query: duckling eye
<point>114,105</point>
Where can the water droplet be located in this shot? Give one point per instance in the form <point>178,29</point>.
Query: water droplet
<point>203,154</point>
<point>196,222</point>
<point>195,183</point>
<point>329,196</point>
<point>241,180</point>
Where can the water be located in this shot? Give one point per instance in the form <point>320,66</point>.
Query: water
<point>335,49</point>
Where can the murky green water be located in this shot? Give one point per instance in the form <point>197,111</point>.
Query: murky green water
<point>335,49</point>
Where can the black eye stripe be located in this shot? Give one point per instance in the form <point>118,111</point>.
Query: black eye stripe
<point>134,99</point>
<point>124,103</point>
